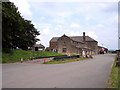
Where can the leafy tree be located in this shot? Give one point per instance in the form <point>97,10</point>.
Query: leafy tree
<point>16,31</point>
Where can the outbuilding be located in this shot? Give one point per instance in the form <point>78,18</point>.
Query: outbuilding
<point>38,47</point>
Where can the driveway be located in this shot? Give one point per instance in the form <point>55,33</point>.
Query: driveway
<point>92,73</point>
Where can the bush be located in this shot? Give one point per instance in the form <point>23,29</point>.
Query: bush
<point>4,61</point>
<point>6,50</point>
<point>47,49</point>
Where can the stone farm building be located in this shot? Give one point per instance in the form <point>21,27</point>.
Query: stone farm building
<point>38,47</point>
<point>74,45</point>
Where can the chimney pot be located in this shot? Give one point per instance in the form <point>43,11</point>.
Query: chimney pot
<point>83,36</point>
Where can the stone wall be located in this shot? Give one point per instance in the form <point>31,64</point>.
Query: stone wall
<point>67,46</point>
<point>93,45</point>
<point>65,42</point>
<point>53,46</point>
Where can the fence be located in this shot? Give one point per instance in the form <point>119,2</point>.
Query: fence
<point>40,57</point>
<point>66,57</point>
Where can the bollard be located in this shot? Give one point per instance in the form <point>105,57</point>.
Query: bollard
<point>44,60</point>
<point>21,60</point>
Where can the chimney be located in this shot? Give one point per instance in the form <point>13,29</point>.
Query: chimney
<point>83,36</point>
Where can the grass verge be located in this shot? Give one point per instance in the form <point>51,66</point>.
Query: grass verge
<point>16,55</point>
<point>114,80</point>
<point>64,61</point>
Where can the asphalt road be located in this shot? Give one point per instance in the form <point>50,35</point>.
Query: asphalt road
<point>92,73</point>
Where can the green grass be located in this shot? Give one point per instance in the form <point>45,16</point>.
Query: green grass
<point>64,61</point>
<point>16,55</point>
<point>0,59</point>
<point>113,81</point>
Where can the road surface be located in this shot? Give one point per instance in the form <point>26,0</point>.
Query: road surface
<point>92,73</point>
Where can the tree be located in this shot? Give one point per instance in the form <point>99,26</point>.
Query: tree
<point>29,33</point>
<point>16,31</point>
<point>47,49</point>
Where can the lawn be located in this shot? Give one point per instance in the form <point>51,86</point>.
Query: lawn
<point>16,55</point>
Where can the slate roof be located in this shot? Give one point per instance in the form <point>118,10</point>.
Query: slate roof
<point>75,38</point>
<point>102,47</point>
<point>54,39</point>
<point>39,45</point>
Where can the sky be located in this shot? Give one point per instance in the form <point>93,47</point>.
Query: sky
<point>98,19</point>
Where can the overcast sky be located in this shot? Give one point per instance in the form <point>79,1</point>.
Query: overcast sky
<point>98,19</point>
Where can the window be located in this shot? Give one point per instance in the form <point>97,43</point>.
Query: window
<point>64,50</point>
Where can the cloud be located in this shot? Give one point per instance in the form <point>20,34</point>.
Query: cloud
<point>46,31</point>
<point>42,18</point>
<point>72,33</point>
<point>59,20</point>
<point>64,14</point>
<point>111,8</point>
<point>98,20</point>
<point>74,0</point>
<point>23,7</point>
<point>92,34</point>
<point>100,25</point>
<point>75,25</point>
<point>88,17</point>
<point>58,27</point>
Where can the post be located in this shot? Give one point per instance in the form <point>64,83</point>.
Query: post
<point>33,51</point>
<point>21,60</point>
<point>44,60</point>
